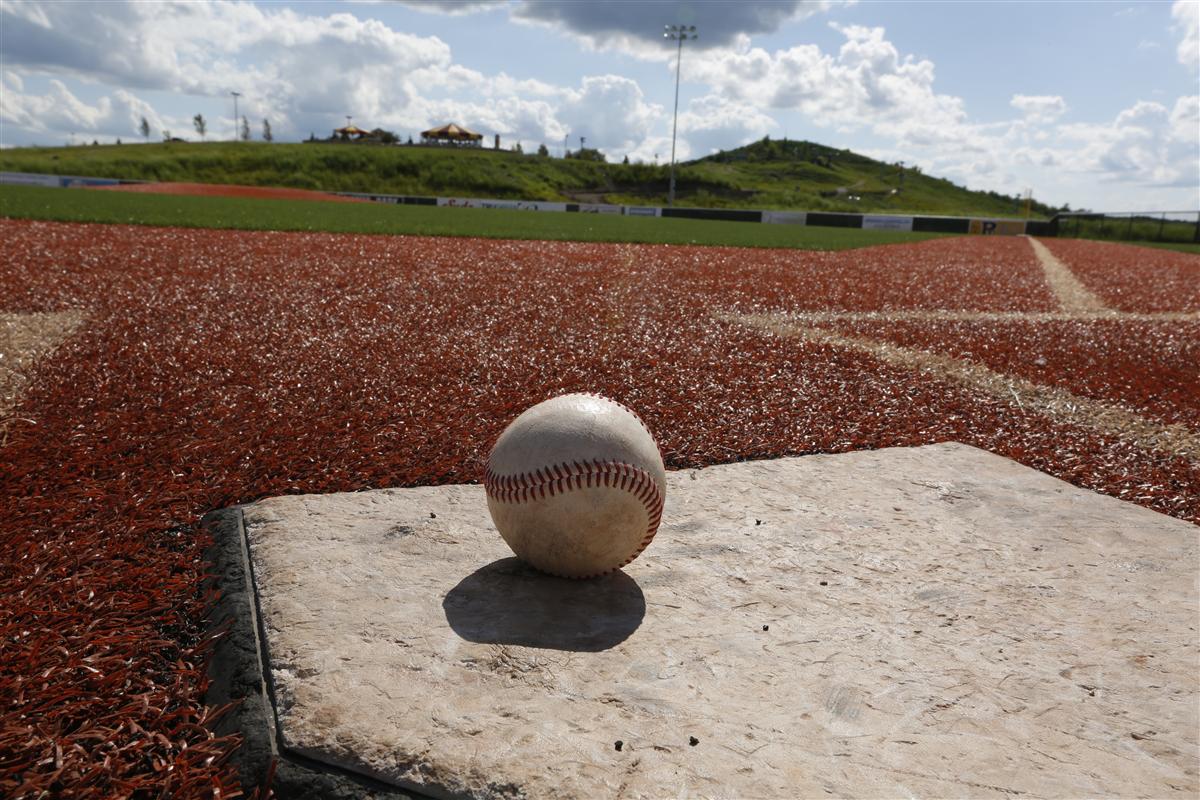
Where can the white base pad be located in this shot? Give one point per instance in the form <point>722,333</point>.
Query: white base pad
<point>928,621</point>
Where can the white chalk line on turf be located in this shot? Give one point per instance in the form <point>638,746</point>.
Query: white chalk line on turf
<point>1072,295</point>
<point>1058,404</point>
<point>819,317</point>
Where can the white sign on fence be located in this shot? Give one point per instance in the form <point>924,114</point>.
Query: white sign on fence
<point>30,179</point>
<point>881,222</point>
<point>513,205</point>
<point>598,208</point>
<point>643,211</point>
<point>785,217</point>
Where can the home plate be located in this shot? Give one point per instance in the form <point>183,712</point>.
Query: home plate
<point>913,621</point>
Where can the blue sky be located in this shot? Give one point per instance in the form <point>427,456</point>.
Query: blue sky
<point>1091,104</point>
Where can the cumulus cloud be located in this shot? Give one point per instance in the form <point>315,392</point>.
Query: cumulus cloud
<point>1186,14</point>
<point>59,111</point>
<point>866,83</point>
<point>1039,108</point>
<point>712,123</point>
<point>191,48</point>
<point>637,27</point>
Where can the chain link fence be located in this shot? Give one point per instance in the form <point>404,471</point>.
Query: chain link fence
<point>1130,226</point>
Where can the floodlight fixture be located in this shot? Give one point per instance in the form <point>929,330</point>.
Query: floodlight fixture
<point>677,33</point>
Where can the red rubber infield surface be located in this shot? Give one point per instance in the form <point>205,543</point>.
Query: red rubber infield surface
<point>219,367</point>
<point>1133,278</point>
<point>225,190</point>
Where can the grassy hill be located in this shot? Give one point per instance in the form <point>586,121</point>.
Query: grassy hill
<point>765,174</point>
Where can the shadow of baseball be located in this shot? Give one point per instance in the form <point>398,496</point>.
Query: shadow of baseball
<point>509,602</point>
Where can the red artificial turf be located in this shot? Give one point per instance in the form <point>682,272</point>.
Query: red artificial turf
<point>219,367</point>
<point>1148,367</point>
<point>1131,278</point>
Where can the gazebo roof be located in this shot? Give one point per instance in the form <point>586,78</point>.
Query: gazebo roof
<point>451,131</point>
<point>351,130</point>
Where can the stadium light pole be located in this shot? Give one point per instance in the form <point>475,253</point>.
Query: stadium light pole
<point>236,95</point>
<point>677,33</point>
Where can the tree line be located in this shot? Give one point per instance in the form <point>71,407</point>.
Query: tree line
<point>201,126</point>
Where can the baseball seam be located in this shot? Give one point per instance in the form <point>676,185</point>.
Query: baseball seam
<point>557,479</point>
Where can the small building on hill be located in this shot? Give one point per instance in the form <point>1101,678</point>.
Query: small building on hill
<point>350,132</point>
<point>453,135</point>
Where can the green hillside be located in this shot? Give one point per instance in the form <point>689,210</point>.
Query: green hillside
<point>765,174</point>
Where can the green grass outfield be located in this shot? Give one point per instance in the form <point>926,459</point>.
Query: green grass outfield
<point>83,205</point>
<point>1182,247</point>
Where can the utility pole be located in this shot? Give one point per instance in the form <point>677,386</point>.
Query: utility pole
<point>677,33</point>
<point>236,95</point>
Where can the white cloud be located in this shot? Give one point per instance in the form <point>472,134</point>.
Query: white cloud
<point>31,12</point>
<point>611,112</point>
<point>866,83</point>
<point>1186,14</point>
<point>712,123</point>
<point>192,48</point>
<point>1039,108</point>
<point>60,112</point>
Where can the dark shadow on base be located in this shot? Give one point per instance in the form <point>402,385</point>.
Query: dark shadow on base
<point>509,602</point>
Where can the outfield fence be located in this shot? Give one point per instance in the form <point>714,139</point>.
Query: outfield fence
<point>1152,226</point>
<point>1129,226</point>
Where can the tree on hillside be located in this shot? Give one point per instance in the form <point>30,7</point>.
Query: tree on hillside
<point>543,150</point>
<point>200,125</point>
<point>145,129</point>
<point>626,161</point>
<point>245,132</point>
<point>267,131</point>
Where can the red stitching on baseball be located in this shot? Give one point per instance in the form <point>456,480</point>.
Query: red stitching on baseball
<point>521,488</point>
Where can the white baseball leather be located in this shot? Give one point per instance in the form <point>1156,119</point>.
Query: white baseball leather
<point>576,485</point>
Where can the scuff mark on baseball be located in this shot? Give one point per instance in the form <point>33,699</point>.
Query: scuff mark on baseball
<point>576,486</point>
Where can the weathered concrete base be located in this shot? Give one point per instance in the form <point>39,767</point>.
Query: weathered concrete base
<point>929,621</point>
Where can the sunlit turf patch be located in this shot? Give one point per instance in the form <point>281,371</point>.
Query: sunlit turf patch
<point>25,338</point>
<point>70,205</point>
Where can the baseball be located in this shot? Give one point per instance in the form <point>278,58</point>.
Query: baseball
<point>576,486</point>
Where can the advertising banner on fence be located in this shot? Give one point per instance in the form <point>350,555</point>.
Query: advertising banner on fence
<point>69,182</point>
<point>30,179</point>
<point>598,208</point>
<point>374,198</point>
<point>785,217</point>
<point>514,205</point>
<point>884,222</point>
<point>643,211</point>
<point>997,227</point>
